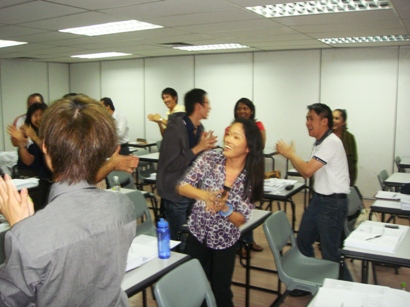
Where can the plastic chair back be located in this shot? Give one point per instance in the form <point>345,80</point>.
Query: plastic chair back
<point>126,180</point>
<point>355,207</point>
<point>186,286</point>
<point>145,224</point>
<point>295,270</point>
<point>397,160</point>
<point>382,176</point>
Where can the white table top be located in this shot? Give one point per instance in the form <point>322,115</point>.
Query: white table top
<point>397,179</point>
<point>141,277</point>
<point>151,157</point>
<point>401,257</point>
<point>405,162</point>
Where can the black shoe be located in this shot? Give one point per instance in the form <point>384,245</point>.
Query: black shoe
<point>298,293</point>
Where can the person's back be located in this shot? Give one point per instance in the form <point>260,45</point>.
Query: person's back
<point>73,252</point>
<point>83,232</point>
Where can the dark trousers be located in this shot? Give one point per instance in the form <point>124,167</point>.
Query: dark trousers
<point>219,266</point>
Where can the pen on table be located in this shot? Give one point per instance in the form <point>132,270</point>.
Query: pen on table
<point>378,236</point>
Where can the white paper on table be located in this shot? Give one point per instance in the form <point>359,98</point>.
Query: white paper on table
<point>388,195</point>
<point>275,185</point>
<point>364,237</point>
<point>143,249</point>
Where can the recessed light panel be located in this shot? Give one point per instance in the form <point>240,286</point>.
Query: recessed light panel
<point>211,47</point>
<point>5,43</point>
<point>318,7</point>
<point>112,27</point>
<point>365,39</point>
<point>100,55</point>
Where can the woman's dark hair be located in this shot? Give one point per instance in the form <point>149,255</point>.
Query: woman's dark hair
<point>254,162</point>
<point>31,110</point>
<point>248,103</point>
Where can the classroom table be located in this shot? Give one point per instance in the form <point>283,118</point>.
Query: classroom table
<point>269,154</point>
<point>404,163</point>
<point>146,144</point>
<point>257,219</point>
<point>151,157</point>
<point>400,258</point>
<point>144,276</point>
<point>384,207</point>
<point>397,180</point>
<point>284,196</point>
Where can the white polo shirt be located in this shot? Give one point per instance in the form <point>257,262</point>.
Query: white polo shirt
<point>333,176</point>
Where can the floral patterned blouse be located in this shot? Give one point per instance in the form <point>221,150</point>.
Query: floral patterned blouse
<point>208,173</point>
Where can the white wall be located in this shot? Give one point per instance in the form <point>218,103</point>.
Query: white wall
<point>371,83</point>
<point>18,80</point>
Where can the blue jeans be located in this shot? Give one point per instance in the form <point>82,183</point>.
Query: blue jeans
<point>177,214</point>
<point>324,217</point>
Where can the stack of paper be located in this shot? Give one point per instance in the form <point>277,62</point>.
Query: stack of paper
<point>275,185</point>
<point>25,183</point>
<point>336,293</point>
<point>376,236</point>
<point>405,201</point>
<point>388,195</point>
<point>143,249</point>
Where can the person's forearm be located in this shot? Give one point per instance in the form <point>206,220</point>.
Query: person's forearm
<point>25,156</point>
<point>301,166</point>
<point>190,191</point>
<point>104,171</point>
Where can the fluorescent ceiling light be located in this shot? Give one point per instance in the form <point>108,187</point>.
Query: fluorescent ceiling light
<point>112,27</point>
<point>211,47</point>
<point>318,7</point>
<point>100,55</point>
<point>4,43</point>
<point>365,39</point>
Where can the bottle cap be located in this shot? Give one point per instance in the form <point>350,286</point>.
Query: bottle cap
<point>403,285</point>
<point>162,223</point>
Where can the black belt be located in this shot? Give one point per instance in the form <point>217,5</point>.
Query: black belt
<point>334,195</point>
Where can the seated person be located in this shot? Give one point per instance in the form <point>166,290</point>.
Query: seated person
<point>31,161</point>
<point>74,251</point>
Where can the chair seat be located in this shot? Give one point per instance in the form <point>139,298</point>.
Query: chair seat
<point>306,273</point>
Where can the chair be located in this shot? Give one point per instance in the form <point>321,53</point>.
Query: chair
<point>144,170</point>
<point>382,176</point>
<point>186,286</point>
<point>295,270</point>
<point>397,160</point>
<point>354,209</point>
<point>126,180</point>
<point>145,224</point>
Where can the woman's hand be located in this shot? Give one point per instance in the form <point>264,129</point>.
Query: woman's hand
<point>14,206</point>
<point>28,131</point>
<point>17,135</point>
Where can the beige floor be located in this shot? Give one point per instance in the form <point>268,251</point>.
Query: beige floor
<point>386,275</point>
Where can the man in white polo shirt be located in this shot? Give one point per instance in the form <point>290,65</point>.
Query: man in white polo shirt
<point>327,211</point>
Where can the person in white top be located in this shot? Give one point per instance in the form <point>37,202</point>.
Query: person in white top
<point>327,211</point>
<point>170,98</point>
<point>19,120</point>
<point>121,123</point>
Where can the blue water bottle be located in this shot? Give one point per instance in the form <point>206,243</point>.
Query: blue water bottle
<point>164,251</point>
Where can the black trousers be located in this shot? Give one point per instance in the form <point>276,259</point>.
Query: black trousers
<point>219,266</point>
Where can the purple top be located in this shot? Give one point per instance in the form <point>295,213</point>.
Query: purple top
<point>208,170</point>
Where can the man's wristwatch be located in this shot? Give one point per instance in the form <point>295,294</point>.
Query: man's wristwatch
<point>160,120</point>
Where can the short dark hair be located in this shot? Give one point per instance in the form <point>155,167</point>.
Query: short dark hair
<point>254,162</point>
<point>35,95</point>
<point>108,102</point>
<point>31,110</point>
<point>170,91</point>
<point>323,111</point>
<point>79,135</point>
<point>249,104</point>
<point>193,97</point>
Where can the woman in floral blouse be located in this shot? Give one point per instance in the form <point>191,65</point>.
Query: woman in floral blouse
<point>225,186</point>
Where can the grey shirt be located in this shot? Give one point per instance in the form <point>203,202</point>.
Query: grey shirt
<point>72,253</point>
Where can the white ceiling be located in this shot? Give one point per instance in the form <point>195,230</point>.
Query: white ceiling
<point>198,22</point>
